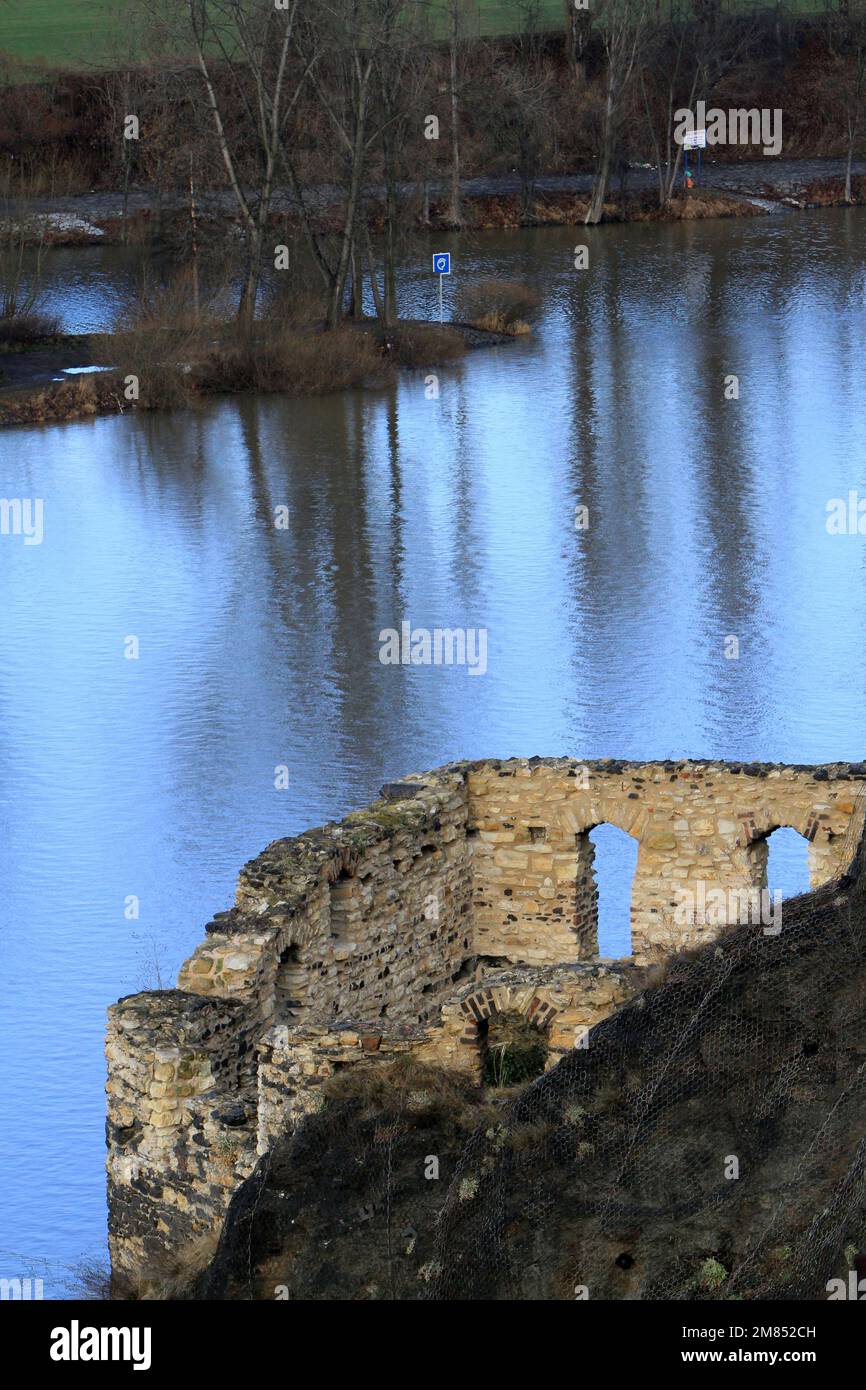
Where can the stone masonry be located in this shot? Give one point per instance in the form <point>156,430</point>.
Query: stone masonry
<point>460,894</point>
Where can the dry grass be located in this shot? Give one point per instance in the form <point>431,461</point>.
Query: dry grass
<point>24,329</point>
<point>830,192</point>
<point>300,364</point>
<point>171,1278</point>
<point>422,344</point>
<point>84,396</point>
<point>570,209</point>
<point>405,1087</point>
<point>499,306</point>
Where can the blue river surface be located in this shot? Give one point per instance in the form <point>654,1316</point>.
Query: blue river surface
<point>258,647</point>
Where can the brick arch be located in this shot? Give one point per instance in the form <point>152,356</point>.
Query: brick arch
<point>756,829</point>
<point>630,817</point>
<point>344,864</point>
<point>486,1002</point>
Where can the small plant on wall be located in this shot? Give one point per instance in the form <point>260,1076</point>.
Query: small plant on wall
<point>514,1051</point>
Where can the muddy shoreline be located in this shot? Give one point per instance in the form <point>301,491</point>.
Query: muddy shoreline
<point>741,188</point>
<point>48,382</point>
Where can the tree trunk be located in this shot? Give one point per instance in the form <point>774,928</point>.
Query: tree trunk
<point>357,301</point>
<point>194,246</point>
<point>848,162</point>
<point>374,283</point>
<point>335,308</point>
<point>250,291</point>
<point>454,212</point>
<point>599,188</point>
<point>390,256</point>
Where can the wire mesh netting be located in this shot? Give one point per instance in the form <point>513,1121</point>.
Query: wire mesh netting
<point>708,1143</point>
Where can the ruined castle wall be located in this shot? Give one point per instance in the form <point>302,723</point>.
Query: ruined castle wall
<point>367,919</point>
<point>563,1003</point>
<point>294,1062</point>
<point>695,823</point>
<point>181,1107</point>
<point>460,894</point>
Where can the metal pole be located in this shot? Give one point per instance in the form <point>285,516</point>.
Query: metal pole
<point>441,320</point>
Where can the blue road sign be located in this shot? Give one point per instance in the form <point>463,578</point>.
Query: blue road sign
<point>442,263</point>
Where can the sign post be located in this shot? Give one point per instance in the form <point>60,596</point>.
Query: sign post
<point>441,267</point>
<point>693,140</point>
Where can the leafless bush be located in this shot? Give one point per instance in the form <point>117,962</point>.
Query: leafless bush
<point>302,364</point>
<point>502,306</point>
<point>77,399</point>
<point>19,328</point>
<point>422,344</point>
<point>23,321</point>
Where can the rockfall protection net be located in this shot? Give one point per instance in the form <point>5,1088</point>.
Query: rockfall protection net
<point>709,1142</point>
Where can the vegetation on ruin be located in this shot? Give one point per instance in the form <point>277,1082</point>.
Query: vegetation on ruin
<point>607,1171</point>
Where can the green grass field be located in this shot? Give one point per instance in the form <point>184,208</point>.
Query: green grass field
<point>97,33</point>
<point>87,33</point>
<point>60,33</point>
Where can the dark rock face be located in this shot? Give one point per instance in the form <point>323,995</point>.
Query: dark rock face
<point>707,1144</point>
<point>346,1207</point>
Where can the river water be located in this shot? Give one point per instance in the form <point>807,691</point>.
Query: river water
<point>154,778</point>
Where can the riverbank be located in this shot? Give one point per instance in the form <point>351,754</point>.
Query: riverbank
<point>740,189</point>
<point>75,376</point>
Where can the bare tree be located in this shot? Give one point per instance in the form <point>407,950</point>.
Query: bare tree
<point>458,26</point>
<point>845,30</point>
<point>401,63</point>
<point>351,31</point>
<point>517,107</point>
<point>249,45</point>
<point>578,26</point>
<point>621,25</point>
<point>681,59</point>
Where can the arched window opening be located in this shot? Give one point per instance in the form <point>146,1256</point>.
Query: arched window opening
<point>513,1050</point>
<point>786,867</point>
<point>345,907</point>
<point>290,986</point>
<point>613,863</point>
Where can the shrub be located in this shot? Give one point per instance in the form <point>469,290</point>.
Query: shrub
<point>157,341</point>
<point>303,364</point>
<point>22,328</point>
<point>501,306</point>
<point>516,1051</point>
<point>82,396</point>
<point>422,344</point>
<point>712,1274</point>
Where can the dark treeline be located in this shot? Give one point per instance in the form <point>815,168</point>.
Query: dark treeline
<point>370,112</point>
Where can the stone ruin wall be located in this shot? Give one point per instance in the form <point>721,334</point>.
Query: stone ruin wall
<point>369,919</point>
<point>534,894</point>
<point>461,893</point>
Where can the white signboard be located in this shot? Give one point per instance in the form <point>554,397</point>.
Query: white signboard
<point>695,140</point>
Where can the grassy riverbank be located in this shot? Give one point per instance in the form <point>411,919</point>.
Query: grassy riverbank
<point>487,211</point>
<point>167,368</point>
